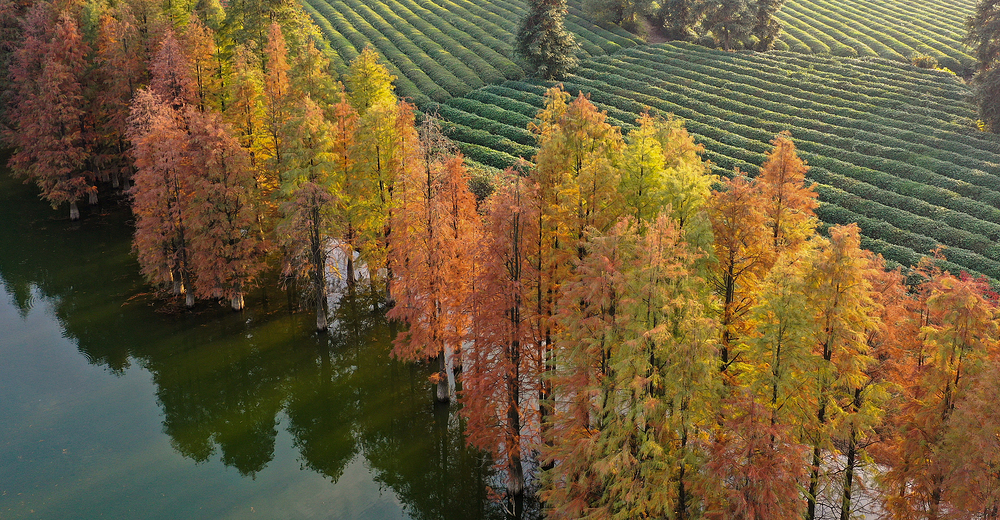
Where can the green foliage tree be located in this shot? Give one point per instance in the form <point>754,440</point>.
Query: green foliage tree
<point>308,189</point>
<point>765,27</point>
<point>627,13</point>
<point>681,18</point>
<point>543,41</point>
<point>729,22</point>
<point>385,143</point>
<point>984,38</point>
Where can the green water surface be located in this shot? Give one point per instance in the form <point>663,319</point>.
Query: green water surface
<point>114,406</point>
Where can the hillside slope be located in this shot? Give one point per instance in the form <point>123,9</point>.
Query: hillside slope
<point>443,48</point>
<point>892,29</point>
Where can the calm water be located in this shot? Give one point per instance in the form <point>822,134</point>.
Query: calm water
<point>111,407</point>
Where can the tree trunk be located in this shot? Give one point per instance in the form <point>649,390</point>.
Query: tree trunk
<point>442,382</point>
<point>237,302</point>
<point>74,211</point>
<point>515,471</point>
<point>449,363</point>
<point>92,197</point>
<point>816,461</point>
<point>813,484</point>
<point>852,448</point>
<point>682,495</point>
<point>321,323</point>
<point>350,267</point>
<point>188,299</point>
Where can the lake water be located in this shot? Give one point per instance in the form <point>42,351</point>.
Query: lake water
<point>112,405</point>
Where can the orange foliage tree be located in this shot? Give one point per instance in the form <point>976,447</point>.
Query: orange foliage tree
<point>928,469</point>
<point>430,257</point>
<point>501,369</point>
<point>742,253</point>
<point>789,202</point>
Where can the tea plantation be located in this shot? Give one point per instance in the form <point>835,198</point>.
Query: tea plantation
<point>891,146</point>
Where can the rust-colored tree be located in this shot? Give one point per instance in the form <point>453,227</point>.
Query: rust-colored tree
<point>430,258</point>
<point>51,146</point>
<point>171,74</point>
<point>755,470</point>
<point>501,368</point>
<point>789,202</point>
<point>227,253</point>
<point>278,104</point>
<point>959,335</point>
<point>161,194</point>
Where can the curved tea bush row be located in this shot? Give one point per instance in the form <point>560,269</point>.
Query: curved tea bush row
<point>839,131</point>
<point>912,177</point>
<point>444,48</point>
<point>893,29</point>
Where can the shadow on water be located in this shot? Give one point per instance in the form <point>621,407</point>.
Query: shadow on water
<point>227,381</point>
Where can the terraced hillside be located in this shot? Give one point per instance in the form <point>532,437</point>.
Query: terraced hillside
<point>892,147</point>
<point>893,29</point>
<point>444,48</point>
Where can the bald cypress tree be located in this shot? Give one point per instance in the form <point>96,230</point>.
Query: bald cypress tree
<point>543,41</point>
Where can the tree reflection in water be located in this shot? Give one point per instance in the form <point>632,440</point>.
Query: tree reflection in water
<point>226,381</point>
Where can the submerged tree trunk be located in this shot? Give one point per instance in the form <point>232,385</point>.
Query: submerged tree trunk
<point>442,380</point>
<point>350,267</point>
<point>321,323</point>
<point>74,211</point>
<point>449,363</point>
